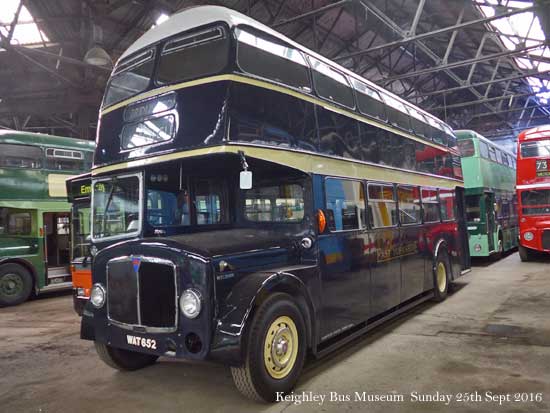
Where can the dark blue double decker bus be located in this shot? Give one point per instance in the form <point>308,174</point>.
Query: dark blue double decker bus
<point>253,203</point>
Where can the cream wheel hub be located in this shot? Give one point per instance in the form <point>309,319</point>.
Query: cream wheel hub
<point>281,347</point>
<point>441,277</point>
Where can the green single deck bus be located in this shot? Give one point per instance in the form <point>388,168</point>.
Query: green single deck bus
<point>34,212</point>
<point>489,181</point>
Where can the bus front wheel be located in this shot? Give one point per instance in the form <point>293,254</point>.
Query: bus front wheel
<point>525,253</point>
<point>124,360</point>
<point>15,284</point>
<point>442,272</point>
<point>275,350</point>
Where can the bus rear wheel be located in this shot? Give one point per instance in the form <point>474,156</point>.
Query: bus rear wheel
<point>15,284</point>
<point>123,360</point>
<point>442,272</point>
<point>275,352</point>
<point>525,254</point>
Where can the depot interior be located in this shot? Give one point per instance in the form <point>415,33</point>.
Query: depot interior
<point>480,65</point>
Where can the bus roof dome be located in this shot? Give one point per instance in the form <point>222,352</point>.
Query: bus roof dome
<point>187,19</point>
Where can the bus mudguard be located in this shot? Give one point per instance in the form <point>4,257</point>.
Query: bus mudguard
<point>238,309</point>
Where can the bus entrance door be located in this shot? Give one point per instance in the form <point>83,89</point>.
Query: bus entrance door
<point>489,201</point>
<point>57,246</point>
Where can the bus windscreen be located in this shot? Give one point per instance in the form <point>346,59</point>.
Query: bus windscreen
<point>535,149</point>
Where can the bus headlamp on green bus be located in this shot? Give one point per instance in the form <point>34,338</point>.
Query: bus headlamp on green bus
<point>98,296</point>
<point>190,303</point>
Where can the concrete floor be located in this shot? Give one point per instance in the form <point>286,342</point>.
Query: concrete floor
<point>491,335</point>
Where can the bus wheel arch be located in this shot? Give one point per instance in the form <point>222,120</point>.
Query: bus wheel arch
<point>285,284</point>
<point>17,282</point>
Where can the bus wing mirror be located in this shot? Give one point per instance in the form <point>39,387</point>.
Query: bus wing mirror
<point>245,180</point>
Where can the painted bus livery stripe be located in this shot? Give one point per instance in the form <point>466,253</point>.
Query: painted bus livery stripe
<point>306,162</point>
<point>534,186</point>
<point>267,85</point>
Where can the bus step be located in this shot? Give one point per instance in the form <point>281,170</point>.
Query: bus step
<point>56,272</point>
<point>58,286</point>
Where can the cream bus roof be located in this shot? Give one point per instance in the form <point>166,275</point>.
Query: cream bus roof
<point>192,17</point>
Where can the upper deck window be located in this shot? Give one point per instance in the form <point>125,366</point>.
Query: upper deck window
<point>20,156</point>
<point>437,131</point>
<point>418,122</point>
<point>451,138</point>
<point>331,84</point>
<point>535,149</point>
<point>130,77</point>
<point>466,148</point>
<point>193,55</point>
<point>369,101</point>
<point>269,59</point>
<point>483,150</point>
<point>492,154</point>
<point>67,160</point>
<point>397,112</point>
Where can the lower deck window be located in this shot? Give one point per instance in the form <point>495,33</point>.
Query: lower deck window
<point>409,205</point>
<point>189,202</point>
<point>447,199</point>
<point>473,208</point>
<point>345,204</point>
<point>274,203</point>
<point>15,222</point>
<point>382,206</point>
<point>430,203</point>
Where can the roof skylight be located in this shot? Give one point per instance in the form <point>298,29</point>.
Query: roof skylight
<point>26,31</point>
<point>521,30</point>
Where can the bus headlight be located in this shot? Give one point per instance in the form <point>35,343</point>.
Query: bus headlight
<point>528,236</point>
<point>190,303</point>
<point>97,296</point>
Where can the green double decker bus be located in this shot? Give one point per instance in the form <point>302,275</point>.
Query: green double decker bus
<point>34,212</point>
<point>491,203</point>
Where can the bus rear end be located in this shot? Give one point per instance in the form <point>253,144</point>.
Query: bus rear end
<point>533,191</point>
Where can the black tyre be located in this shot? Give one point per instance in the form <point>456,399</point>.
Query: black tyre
<point>275,350</point>
<point>441,276</point>
<point>124,360</point>
<point>15,284</point>
<point>525,254</point>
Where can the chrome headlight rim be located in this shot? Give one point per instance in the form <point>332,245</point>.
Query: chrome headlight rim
<point>193,294</point>
<point>98,287</point>
<point>528,236</point>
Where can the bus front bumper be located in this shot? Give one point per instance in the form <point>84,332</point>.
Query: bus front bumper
<point>79,301</point>
<point>179,342</point>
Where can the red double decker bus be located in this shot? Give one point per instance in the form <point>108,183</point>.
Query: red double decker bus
<point>533,191</point>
